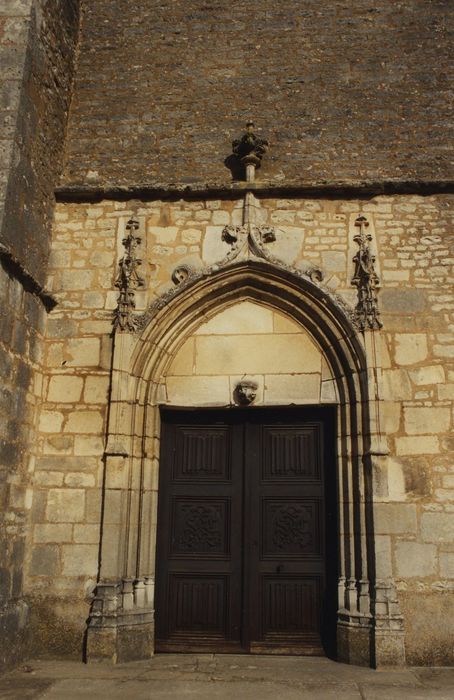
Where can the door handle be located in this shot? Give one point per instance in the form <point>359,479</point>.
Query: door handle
<point>279,568</point>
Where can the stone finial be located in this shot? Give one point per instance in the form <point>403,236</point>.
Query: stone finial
<point>250,150</point>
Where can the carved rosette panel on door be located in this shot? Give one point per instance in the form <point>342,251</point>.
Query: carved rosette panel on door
<point>291,528</point>
<point>200,528</point>
<point>241,544</point>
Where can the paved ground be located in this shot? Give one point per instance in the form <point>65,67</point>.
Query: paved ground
<point>211,677</point>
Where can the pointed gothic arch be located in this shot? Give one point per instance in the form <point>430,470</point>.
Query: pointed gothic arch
<point>369,622</point>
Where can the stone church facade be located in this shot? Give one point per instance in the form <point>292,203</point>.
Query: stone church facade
<point>228,368</point>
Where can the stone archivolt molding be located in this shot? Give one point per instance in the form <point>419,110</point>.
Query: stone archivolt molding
<point>184,277</point>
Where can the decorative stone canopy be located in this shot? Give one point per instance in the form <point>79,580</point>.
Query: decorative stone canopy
<point>248,242</point>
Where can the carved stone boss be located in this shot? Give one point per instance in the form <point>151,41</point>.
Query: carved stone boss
<point>365,279</point>
<point>245,392</point>
<point>128,280</point>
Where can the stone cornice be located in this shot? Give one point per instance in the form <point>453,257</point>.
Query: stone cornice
<point>336,190</point>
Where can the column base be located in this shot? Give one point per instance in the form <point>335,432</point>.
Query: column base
<point>120,644</point>
<point>389,648</point>
<point>121,624</point>
<point>354,644</point>
<point>368,646</point>
<point>15,635</point>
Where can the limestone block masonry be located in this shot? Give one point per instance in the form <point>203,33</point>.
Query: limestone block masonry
<point>37,48</point>
<point>96,469</point>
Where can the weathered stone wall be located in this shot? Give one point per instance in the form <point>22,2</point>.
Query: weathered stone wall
<point>37,48</point>
<point>414,247</point>
<point>21,325</point>
<point>37,43</point>
<point>14,24</point>
<point>346,91</point>
<point>69,471</point>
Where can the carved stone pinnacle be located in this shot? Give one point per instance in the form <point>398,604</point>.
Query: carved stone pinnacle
<point>365,279</point>
<point>128,279</point>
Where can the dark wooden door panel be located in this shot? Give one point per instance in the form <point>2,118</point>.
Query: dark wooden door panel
<point>241,557</point>
<point>289,606</point>
<point>198,593</point>
<point>202,453</point>
<point>198,606</point>
<point>290,615</point>
<point>291,452</point>
<point>286,561</point>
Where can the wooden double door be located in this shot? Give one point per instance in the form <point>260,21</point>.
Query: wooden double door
<point>246,551</point>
